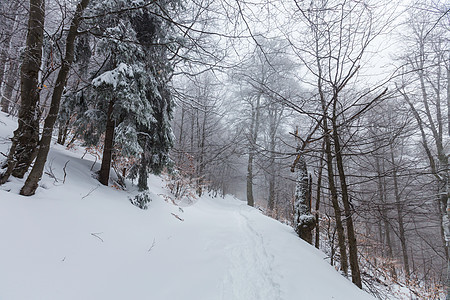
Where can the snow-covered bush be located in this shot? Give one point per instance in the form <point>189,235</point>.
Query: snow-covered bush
<point>141,200</point>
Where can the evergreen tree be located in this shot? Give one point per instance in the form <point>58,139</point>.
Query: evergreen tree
<point>73,101</point>
<point>130,100</point>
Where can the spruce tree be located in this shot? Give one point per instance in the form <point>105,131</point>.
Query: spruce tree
<point>130,99</point>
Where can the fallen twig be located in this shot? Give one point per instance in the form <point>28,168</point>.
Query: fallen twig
<point>64,169</point>
<point>153,245</point>
<point>178,217</point>
<point>92,167</point>
<point>85,151</point>
<point>49,171</point>
<point>96,235</point>
<point>90,192</point>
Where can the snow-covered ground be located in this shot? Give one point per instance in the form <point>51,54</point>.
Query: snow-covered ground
<point>80,240</point>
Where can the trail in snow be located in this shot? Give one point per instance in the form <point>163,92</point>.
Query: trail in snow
<point>250,274</point>
<point>222,250</point>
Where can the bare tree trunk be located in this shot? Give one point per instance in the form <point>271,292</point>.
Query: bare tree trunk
<point>143,175</point>
<point>5,43</point>
<point>400,222</point>
<point>380,236</point>
<point>181,136</point>
<point>254,126</point>
<point>442,229</point>
<point>26,136</point>
<point>387,233</point>
<point>35,176</point>
<point>250,199</point>
<point>3,60</point>
<point>335,203</point>
<point>319,187</point>
<point>331,183</point>
<point>62,132</point>
<point>272,177</point>
<point>448,96</point>
<point>11,80</point>
<point>304,220</point>
<point>381,186</point>
<point>201,162</point>
<point>440,168</point>
<point>105,168</point>
<point>353,249</point>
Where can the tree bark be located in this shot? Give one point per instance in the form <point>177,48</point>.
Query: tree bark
<point>35,176</point>
<point>26,136</point>
<point>108,146</point>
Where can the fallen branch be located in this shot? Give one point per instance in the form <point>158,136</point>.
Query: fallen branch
<point>49,171</point>
<point>178,217</point>
<point>64,169</point>
<point>96,235</point>
<point>90,192</point>
<point>92,167</point>
<point>167,198</point>
<point>153,245</point>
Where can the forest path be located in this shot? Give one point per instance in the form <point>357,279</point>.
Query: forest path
<point>81,240</point>
<point>250,274</point>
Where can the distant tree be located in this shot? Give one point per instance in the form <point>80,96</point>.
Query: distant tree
<point>265,81</point>
<point>202,137</point>
<point>424,87</point>
<point>11,40</point>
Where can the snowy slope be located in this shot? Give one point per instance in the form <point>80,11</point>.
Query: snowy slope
<point>81,240</point>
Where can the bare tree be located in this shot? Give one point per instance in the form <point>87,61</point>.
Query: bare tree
<point>35,175</point>
<point>26,136</point>
<point>423,89</point>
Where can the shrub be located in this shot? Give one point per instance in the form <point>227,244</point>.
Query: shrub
<point>141,200</point>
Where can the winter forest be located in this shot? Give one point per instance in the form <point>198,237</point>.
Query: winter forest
<point>330,116</point>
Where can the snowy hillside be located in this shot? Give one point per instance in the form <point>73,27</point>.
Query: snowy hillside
<point>81,240</point>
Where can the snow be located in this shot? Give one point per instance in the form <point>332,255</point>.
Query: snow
<point>113,77</point>
<point>81,240</point>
